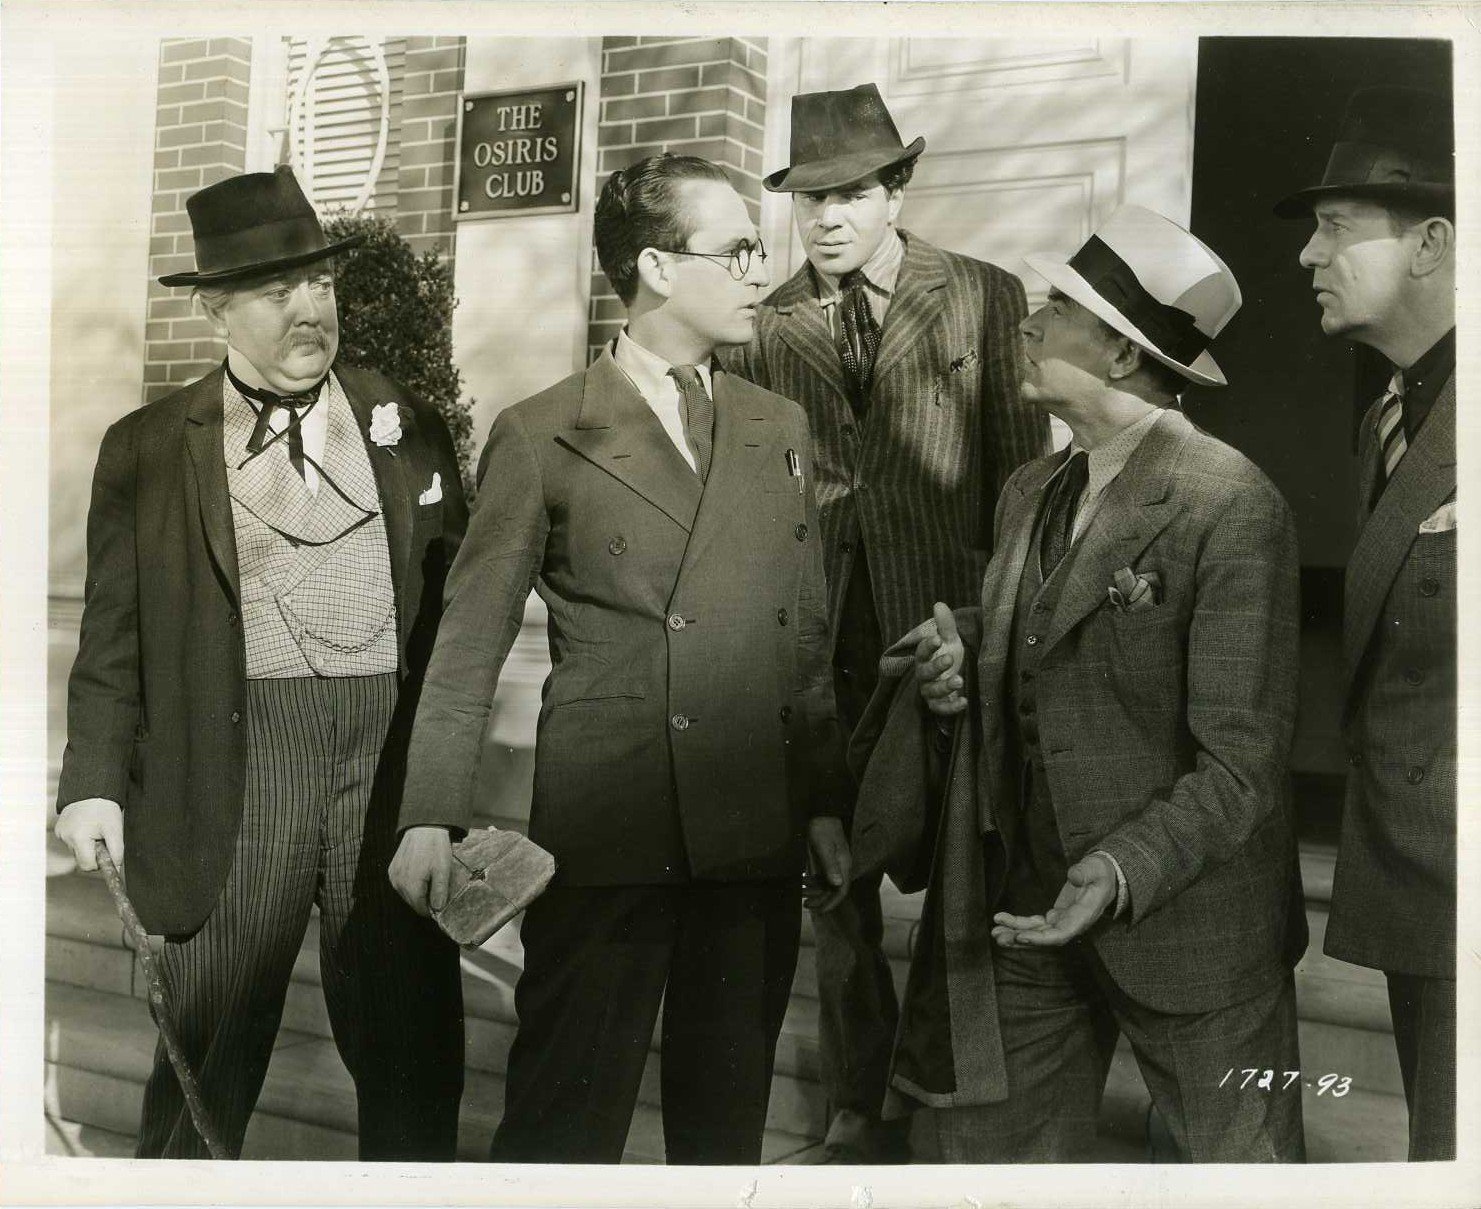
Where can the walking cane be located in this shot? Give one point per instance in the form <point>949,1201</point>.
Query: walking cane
<point>140,940</point>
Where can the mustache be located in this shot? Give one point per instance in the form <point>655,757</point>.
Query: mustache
<point>314,339</point>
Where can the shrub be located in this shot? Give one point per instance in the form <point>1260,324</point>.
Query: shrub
<point>395,316</point>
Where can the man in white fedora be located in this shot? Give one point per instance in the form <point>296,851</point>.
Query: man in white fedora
<point>1124,862</point>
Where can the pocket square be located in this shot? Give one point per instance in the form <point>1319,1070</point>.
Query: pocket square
<point>1131,592</point>
<point>434,492</point>
<point>1441,520</point>
<point>966,361</point>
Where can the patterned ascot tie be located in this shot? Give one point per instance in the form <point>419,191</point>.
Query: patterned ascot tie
<point>860,338</point>
<point>699,416</point>
<point>1391,427</point>
<point>296,406</point>
<point>1059,516</point>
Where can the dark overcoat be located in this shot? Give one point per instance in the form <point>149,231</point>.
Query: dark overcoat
<point>156,702</point>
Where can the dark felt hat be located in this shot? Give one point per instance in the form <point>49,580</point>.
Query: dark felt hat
<point>838,138</point>
<point>1396,144</point>
<point>250,224</point>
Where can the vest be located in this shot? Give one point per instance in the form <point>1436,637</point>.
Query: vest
<point>1036,860</point>
<point>315,570</point>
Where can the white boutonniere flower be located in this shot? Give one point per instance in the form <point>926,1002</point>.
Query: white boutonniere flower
<point>385,424</point>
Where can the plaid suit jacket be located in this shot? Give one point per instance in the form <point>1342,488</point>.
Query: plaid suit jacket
<point>944,430</point>
<point>157,694</point>
<point>1393,895</point>
<point>1165,732</point>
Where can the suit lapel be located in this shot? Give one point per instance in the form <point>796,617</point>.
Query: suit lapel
<point>804,328</point>
<point>1136,507</point>
<point>743,437</point>
<point>918,299</point>
<point>618,433</point>
<point>392,466</point>
<point>204,436</point>
<point>1004,574</point>
<point>1423,480</point>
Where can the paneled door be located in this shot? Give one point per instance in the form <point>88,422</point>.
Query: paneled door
<point>1030,142</point>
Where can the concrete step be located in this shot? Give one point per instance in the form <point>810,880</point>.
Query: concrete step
<point>73,1140</point>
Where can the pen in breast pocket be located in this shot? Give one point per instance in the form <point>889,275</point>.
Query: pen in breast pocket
<point>794,468</point>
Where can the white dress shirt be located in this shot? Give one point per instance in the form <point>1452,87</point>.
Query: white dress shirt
<point>314,427</point>
<point>650,374</point>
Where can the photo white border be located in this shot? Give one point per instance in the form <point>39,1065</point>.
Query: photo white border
<point>32,33</point>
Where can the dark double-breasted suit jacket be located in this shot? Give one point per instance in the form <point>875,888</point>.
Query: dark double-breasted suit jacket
<point>915,482</point>
<point>157,696</point>
<point>686,728</point>
<point>1393,895</point>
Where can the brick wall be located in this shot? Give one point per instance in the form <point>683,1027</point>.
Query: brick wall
<point>694,96</point>
<point>429,123</point>
<point>200,136</point>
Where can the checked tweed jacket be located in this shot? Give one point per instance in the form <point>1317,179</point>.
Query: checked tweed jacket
<point>917,480</point>
<point>1393,895</point>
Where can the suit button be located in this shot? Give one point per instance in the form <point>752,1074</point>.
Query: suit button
<point>1429,586</point>
<point>1355,759</point>
<point>1032,640</point>
<point>1415,775</point>
<point>233,619</point>
<point>801,531</point>
<point>676,623</point>
<point>1040,607</point>
<point>846,547</point>
<point>236,715</point>
<point>616,545</point>
<point>1412,675</point>
<point>679,722</point>
<point>785,713</point>
<point>781,616</point>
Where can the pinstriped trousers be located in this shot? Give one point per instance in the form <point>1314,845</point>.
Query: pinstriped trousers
<point>318,827</point>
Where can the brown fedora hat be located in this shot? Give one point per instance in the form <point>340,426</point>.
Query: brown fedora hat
<point>251,224</point>
<point>1396,144</point>
<point>838,138</point>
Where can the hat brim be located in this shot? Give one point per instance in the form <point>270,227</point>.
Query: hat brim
<point>1299,203</point>
<point>839,170</point>
<point>222,276</point>
<point>1204,371</point>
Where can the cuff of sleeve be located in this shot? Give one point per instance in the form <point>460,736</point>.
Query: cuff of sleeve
<point>1123,895</point>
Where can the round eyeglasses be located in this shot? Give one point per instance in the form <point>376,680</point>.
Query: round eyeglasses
<point>737,261</point>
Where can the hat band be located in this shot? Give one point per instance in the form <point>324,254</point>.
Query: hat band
<point>1171,330</point>
<point>264,244</point>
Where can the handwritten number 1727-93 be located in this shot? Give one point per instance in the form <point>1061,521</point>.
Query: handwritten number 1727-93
<point>1337,1085</point>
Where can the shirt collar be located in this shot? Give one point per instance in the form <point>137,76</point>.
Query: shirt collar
<point>1109,458</point>
<point>648,371</point>
<point>1423,380</point>
<point>881,271</point>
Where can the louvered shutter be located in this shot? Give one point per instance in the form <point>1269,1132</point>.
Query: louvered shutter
<point>341,123</point>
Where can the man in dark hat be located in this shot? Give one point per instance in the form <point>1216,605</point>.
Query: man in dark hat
<point>1125,862</point>
<point>266,553</point>
<point>904,358</point>
<point>1382,261</point>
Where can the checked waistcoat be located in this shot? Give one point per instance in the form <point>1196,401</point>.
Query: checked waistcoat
<point>316,592</point>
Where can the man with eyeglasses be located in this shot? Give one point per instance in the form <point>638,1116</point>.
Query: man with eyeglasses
<point>904,358</point>
<point>687,753</point>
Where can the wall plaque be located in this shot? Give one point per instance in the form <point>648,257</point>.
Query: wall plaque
<point>518,152</point>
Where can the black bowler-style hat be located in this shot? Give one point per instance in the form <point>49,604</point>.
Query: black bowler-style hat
<point>1396,144</point>
<point>838,138</point>
<point>251,224</point>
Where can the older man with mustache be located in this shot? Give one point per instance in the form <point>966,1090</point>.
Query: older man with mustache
<point>266,553</point>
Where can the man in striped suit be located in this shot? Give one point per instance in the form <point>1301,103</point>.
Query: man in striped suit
<point>904,358</point>
<point>266,550</point>
<point>1382,260</point>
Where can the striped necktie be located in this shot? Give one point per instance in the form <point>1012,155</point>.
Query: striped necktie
<point>699,416</point>
<point>1391,426</point>
<point>859,343</point>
